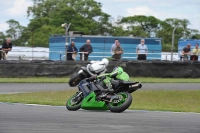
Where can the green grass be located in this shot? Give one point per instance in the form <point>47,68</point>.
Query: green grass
<point>162,100</point>
<point>66,79</point>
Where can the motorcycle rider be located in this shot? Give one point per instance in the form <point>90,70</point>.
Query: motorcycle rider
<point>111,80</point>
<point>94,68</point>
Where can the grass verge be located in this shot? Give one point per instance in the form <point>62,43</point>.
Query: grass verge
<point>163,100</point>
<point>66,79</point>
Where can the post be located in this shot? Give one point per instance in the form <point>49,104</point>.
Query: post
<point>67,28</point>
<point>172,49</point>
<point>32,43</point>
<point>83,56</point>
<point>60,55</point>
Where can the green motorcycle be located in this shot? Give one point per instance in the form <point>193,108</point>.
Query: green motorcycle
<point>93,95</point>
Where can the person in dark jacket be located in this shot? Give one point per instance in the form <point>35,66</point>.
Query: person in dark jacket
<point>185,52</point>
<point>73,50</point>
<point>86,48</point>
<point>6,46</point>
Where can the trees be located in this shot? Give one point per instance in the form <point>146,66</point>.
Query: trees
<point>16,31</point>
<point>2,37</point>
<point>142,25</point>
<point>85,15</point>
<point>182,31</point>
<point>149,26</point>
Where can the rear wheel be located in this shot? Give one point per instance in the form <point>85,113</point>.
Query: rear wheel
<point>122,103</point>
<point>75,79</point>
<point>74,102</point>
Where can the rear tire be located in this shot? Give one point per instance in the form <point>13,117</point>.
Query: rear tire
<point>121,105</point>
<point>75,79</point>
<point>75,107</point>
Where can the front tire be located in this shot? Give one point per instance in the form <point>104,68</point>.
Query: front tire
<point>122,104</point>
<point>73,105</point>
<point>75,79</point>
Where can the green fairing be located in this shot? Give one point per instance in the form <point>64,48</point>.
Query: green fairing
<point>123,76</point>
<point>90,103</point>
<point>120,76</point>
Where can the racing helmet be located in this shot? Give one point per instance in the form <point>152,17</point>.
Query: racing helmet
<point>118,69</point>
<point>105,61</point>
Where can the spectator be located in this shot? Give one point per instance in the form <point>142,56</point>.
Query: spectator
<point>86,48</point>
<point>141,50</point>
<point>113,47</point>
<point>195,52</point>
<point>72,48</point>
<point>6,46</point>
<point>118,51</point>
<point>185,52</point>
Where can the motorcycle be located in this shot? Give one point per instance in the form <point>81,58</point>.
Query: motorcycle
<point>94,68</point>
<point>89,95</point>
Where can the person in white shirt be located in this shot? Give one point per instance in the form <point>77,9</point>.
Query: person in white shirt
<point>113,47</point>
<point>142,50</point>
<point>195,52</point>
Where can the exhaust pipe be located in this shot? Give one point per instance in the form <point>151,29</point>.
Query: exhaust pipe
<point>134,87</point>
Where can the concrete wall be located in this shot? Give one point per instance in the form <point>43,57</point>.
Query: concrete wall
<point>133,68</point>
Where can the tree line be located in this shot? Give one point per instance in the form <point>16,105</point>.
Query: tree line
<point>87,16</point>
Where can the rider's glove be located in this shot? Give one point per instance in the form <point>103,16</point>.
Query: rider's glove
<point>92,78</point>
<point>87,79</point>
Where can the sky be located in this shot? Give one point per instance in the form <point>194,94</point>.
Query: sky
<point>161,9</point>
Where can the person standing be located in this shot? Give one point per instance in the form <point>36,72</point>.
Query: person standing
<point>195,52</point>
<point>118,51</point>
<point>87,48</point>
<point>142,50</point>
<point>113,47</point>
<point>6,47</point>
<point>73,50</point>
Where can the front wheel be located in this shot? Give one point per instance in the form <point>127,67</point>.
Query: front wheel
<point>74,102</point>
<point>75,79</point>
<point>121,104</point>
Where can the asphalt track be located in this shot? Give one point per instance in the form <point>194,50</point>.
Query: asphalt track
<point>30,87</point>
<point>38,119</point>
<point>20,118</point>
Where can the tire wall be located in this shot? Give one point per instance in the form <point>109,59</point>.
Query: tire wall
<point>48,68</point>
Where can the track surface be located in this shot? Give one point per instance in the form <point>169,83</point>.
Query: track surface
<point>30,87</point>
<point>34,119</point>
<point>19,118</point>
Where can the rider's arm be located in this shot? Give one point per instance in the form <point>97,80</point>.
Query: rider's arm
<point>110,75</point>
<point>114,74</point>
<point>105,74</point>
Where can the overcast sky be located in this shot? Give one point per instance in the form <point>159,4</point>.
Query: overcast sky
<point>161,9</point>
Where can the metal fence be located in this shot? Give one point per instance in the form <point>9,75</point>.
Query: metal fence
<point>40,53</point>
<point>43,54</point>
